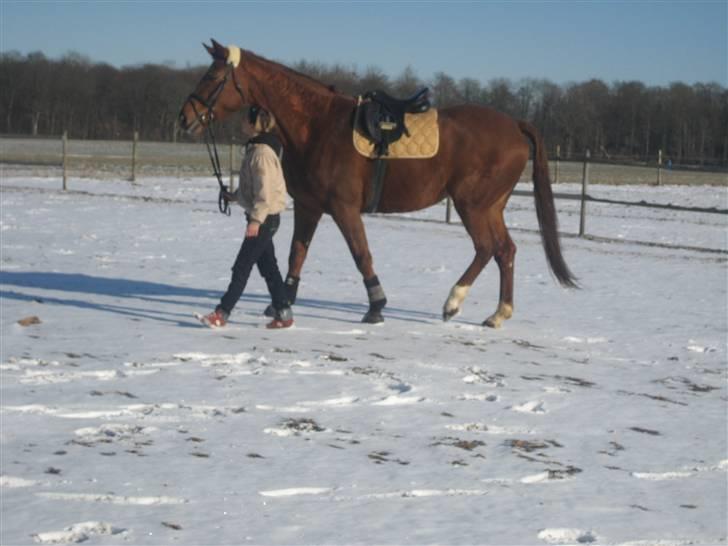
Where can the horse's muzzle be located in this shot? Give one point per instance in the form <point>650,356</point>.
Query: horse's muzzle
<point>193,128</point>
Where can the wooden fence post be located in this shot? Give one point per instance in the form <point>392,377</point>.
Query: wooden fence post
<point>448,209</point>
<point>134,155</point>
<point>558,159</point>
<point>659,167</point>
<point>65,145</point>
<point>584,186</point>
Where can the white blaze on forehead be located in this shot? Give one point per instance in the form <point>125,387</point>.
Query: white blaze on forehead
<point>233,57</point>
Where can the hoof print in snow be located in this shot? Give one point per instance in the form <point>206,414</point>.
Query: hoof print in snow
<point>296,427</point>
<point>333,357</point>
<point>302,425</point>
<point>380,457</point>
<point>642,430</point>
<point>467,445</point>
<point>614,448</point>
<point>530,446</point>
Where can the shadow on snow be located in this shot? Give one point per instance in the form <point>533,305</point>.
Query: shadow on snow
<point>164,294</point>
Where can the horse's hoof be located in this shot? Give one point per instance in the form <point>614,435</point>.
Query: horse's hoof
<point>447,314</point>
<point>373,318</point>
<point>493,322</point>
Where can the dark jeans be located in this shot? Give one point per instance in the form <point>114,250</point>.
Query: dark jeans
<point>257,250</point>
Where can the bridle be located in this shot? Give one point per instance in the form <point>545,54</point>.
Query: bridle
<point>206,118</point>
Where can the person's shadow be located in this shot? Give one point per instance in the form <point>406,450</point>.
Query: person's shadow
<point>157,297</point>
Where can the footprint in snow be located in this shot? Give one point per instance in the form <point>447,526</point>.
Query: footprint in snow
<point>567,536</point>
<point>476,375</point>
<point>551,475</point>
<point>295,491</point>
<point>484,397</point>
<point>12,482</point>
<point>78,532</point>
<point>113,499</point>
<point>535,406</point>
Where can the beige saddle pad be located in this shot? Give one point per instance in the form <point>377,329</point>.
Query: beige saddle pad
<point>423,142</point>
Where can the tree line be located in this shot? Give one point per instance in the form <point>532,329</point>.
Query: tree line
<point>689,123</point>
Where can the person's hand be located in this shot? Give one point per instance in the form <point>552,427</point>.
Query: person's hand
<point>252,229</point>
<point>228,196</point>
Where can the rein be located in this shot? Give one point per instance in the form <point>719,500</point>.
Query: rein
<point>206,118</point>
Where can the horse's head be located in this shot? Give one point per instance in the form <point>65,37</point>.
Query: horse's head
<point>218,94</point>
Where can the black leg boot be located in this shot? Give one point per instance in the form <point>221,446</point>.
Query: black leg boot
<point>377,301</point>
<point>291,288</point>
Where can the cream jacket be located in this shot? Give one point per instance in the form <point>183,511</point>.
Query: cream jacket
<point>262,188</point>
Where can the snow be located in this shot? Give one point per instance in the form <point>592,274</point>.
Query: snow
<point>593,416</point>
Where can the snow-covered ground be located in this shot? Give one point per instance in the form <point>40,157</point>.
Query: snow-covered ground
<point>593,416</point>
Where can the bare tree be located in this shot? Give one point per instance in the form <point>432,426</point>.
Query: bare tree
<point>95,100</point>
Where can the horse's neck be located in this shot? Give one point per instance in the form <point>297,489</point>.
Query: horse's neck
<point>297,102</point>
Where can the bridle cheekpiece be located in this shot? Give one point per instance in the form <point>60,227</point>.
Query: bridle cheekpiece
<point>207,116</point>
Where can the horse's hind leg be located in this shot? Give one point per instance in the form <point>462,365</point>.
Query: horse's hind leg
<point>476,223</point>
<point>352,228</point>
<point>505,253</point>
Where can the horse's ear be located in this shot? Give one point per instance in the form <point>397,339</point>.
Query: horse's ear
<point>209,49</point>
<point>218,51</point>
<point>218,46</point>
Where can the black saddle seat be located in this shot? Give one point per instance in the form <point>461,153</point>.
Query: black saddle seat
<point>382,116</point>
<point>417,103</point>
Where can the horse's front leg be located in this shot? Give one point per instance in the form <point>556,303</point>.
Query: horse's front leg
<point>352,228</point>
<point>305,222</point>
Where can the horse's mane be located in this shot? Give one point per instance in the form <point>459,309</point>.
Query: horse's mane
<point>308,82</point>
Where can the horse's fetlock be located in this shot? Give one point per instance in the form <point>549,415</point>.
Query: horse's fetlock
<point>374,290</point>
<point>291,288</point>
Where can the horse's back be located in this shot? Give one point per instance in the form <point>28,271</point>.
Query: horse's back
<point>480,118</point>
<point>479,130</point>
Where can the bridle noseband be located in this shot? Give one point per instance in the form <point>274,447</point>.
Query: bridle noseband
<point>205,119</point>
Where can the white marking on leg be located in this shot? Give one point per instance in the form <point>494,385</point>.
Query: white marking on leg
<point>455,299</point>
<point>504,312</point>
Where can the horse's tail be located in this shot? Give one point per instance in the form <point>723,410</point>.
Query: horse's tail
<point>545,209</point>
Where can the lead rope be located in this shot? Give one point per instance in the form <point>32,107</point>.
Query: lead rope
<point>222,203</point>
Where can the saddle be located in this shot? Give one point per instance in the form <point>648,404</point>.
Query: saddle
<point>383,117</point>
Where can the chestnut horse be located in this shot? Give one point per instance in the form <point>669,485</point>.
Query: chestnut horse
<point>481,157</point>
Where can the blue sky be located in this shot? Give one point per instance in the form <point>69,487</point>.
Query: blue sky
<point>649,41</point>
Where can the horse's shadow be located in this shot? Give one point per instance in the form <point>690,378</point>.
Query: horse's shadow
<point>160,296</point>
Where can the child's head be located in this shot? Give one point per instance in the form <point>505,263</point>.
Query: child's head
<point>260,120</point>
